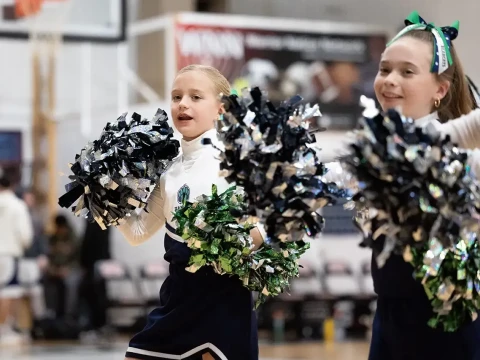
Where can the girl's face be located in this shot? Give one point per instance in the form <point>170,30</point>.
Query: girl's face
<point>404,80</point>
<point>195,104</point>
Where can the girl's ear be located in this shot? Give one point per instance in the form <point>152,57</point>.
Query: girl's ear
<point>222,109</point>
<point>443,88</point>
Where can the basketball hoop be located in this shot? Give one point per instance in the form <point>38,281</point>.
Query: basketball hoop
<point>24,8</point>
<point>45,19</point>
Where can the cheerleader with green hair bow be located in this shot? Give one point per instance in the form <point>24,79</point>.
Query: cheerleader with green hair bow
<point>421,74</point>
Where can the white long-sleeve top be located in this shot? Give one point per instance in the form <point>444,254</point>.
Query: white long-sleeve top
<point>464,131</point>
<point>15,225</point>
<point>192,174</point>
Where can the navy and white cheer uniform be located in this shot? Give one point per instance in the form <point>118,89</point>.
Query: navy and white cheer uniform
<point>400,330</point>
<point>199,312</point>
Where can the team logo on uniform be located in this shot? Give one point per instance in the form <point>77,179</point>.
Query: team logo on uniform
<point>183,194</point>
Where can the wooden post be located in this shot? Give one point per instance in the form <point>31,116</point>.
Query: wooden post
<point>37,127</point>
<point>44,134</point>
<point>51,136</point>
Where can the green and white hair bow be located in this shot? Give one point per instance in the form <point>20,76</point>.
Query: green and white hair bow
<point>442,57</point>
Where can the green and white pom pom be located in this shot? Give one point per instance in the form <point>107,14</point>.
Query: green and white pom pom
<point>212,230</point>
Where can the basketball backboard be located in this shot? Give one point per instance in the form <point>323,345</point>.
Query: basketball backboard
<point>97,21</point>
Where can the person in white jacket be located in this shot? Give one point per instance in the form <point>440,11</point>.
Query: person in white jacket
<point>16,236</point>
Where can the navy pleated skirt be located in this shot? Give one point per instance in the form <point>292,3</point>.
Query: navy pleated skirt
<point>199,313</point>
<point>400,332</point>
<point>400,329</point>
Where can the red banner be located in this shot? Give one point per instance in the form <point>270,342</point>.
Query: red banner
<point>328,69</point>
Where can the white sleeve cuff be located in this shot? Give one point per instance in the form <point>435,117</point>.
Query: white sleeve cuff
<point>261,230</point>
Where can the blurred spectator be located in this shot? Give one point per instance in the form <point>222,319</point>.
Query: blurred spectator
<point>95,246</point>
<point>38,249</point>
<point>17,234</point>
<point>63,275</point>
<point>36,255</point>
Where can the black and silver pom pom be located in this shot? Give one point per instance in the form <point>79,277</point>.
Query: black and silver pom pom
<point>115,175</point>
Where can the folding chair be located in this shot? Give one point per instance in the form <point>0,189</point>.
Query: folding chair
<point>152,276</point>
<point>122,291</point>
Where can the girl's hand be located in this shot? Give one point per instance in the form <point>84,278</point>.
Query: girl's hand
<point>42,262</point>
<point>257,237</point>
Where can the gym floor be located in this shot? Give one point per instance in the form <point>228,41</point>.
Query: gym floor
<point>294,351</point>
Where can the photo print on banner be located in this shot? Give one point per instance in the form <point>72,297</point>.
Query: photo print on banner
<point>332,70</point>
